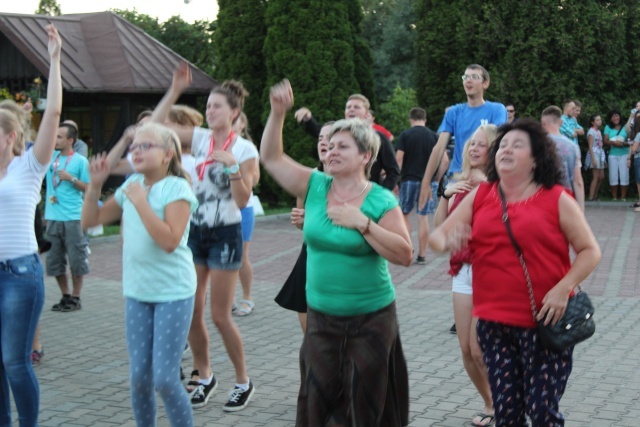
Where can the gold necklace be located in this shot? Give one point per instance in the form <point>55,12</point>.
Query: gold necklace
<point>341,200</point>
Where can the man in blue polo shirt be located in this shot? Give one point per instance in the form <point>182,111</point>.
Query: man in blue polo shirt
<point>67,179</point>
<point>461,121</point>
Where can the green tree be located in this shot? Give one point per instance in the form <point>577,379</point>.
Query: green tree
<point>240,38</point>
<point>310,43</point>
<point>389,28</point>
<point>362,56</point>
<point>394,114</point>
<point>49,7</point>
<point>572,48</point>
<point>194,42</point>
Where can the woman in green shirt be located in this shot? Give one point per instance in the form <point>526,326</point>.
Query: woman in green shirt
<point>352,365</point>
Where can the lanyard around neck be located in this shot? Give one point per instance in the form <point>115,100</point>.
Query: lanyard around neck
<point>56,163</point>
<point>201,167</point>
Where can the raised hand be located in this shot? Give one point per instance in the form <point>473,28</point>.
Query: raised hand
<point>55,42</point>
<point>281,97</point>
<point>181,76</point>
<point>302,114</point>
<point>99,170</point>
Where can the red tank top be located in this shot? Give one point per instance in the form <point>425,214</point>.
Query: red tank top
<point>500,291</point>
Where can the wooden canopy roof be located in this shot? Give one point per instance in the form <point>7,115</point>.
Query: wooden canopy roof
<point>101,52</point>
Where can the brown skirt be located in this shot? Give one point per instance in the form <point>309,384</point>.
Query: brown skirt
<point>353,371</point>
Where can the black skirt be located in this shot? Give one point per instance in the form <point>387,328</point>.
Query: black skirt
<point>293,295</point>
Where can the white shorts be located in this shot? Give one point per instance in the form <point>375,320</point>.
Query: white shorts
<point>618,168</point>
<point>462,280</point>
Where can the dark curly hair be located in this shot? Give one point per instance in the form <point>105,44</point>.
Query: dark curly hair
<point>548,169</point>
<point>610,116</point>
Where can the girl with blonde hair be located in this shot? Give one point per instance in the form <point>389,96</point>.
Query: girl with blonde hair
<point>159,279</point>
<point>474,161</point>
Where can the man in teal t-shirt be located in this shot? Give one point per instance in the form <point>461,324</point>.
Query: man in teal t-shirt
<point>67,179</point>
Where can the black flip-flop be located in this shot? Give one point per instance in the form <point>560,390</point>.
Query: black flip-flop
<point>485,420</point>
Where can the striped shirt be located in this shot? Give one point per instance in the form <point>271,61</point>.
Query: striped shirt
<point>19,195</point>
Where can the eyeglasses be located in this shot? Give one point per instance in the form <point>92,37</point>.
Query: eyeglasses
<point>144,146</point>
<point>475,77</point>
<point>510,111</point>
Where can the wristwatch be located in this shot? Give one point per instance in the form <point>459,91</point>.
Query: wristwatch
<point>73,180</point>
<point>233,169</point>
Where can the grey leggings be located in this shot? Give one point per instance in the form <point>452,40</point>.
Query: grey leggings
<point>156,334</point>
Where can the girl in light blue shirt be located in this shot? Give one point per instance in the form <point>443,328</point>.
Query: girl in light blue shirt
<point>159,278</point>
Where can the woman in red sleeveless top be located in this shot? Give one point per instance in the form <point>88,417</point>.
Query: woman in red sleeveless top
<point>525,378</point>
<point>474,161</point>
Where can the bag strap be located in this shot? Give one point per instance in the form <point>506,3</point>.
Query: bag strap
<point>505,220</point>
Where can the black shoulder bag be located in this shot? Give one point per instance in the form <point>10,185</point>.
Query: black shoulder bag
<point>577,323</point>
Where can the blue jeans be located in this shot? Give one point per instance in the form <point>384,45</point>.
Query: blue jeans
<point>156,334</point>
<point>21,301</point>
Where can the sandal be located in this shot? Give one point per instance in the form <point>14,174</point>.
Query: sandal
<point>245,307</point>
<point>192,385</point>
<point>484,420</point>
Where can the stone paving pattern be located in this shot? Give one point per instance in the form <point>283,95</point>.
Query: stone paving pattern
<point>84,373</point>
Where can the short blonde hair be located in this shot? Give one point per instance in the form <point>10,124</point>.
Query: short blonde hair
<point>362,98</point>
<point>367,140</point>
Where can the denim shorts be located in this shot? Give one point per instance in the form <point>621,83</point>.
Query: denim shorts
<point>219,248</point>
<point>248,222</point>
<point>67,241</point>
<point>410,195</point>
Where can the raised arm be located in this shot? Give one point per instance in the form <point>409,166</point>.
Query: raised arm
<point>117,164</point>
<point>46,138</point>
<point>309,123</point>
<point>387,156</point>
<point>290,175</point>
<point>180,82</point>
<point>92,214</point>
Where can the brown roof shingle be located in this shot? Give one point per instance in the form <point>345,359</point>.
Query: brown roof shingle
<point>101,52</point>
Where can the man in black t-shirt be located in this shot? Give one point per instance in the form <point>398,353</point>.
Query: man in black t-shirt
<point>413,150</point>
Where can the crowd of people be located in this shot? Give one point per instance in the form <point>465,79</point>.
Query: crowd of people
<point>187,224</point>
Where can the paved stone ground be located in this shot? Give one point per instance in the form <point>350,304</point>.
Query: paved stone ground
<point>84,379</point>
